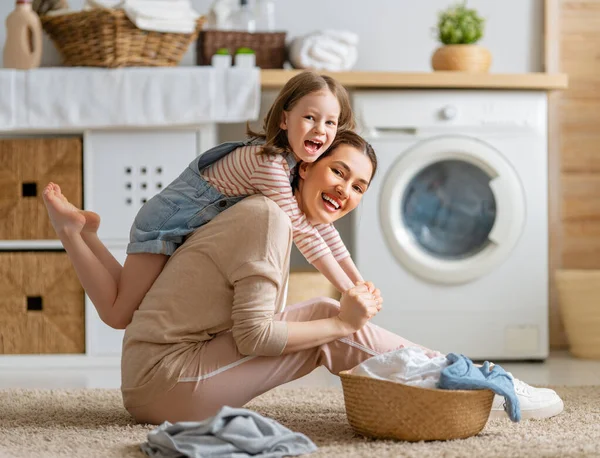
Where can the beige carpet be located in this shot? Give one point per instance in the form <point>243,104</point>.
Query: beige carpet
<point>92,423</point>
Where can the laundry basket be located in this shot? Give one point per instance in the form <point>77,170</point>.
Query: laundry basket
<point>579,300</point>
<point>390,410</point>
<point>269,47</point>
<point>104,37</point>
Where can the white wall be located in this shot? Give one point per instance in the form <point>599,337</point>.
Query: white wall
<point>395,35</point>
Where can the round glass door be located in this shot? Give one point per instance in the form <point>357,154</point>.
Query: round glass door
<point>451,209</point>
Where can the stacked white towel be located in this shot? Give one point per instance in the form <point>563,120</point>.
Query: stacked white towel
<point>90,4</point>
<point>332,50</point>
<point>410,366</point>
<point>175,16</point>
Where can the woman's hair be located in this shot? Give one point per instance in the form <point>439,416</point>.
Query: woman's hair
<point>274,137</point>
<point>346,137</point>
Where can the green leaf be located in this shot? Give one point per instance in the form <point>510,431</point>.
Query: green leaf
<point>459,25</point>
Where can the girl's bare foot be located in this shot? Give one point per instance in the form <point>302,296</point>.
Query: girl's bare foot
<point>66,217</point>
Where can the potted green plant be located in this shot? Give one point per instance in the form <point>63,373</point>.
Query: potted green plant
<point>459,29</point>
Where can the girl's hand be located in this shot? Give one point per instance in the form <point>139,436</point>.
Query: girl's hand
<point>357,306</point>
<point>369,285</point>
<point>375,291</point>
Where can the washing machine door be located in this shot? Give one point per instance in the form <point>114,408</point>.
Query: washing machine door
<point>452,209</point>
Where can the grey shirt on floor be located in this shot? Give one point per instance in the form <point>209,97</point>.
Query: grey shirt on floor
<point>231,433</point>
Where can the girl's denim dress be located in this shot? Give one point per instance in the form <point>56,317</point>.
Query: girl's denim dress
<point>183,206</point>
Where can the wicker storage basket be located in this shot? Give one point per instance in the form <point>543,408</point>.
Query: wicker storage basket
<point>389,410</point>
<point>26,166</point>
<point>269,47</point>
<point>107,38</point>
<point>579,299</point>
<point>41,304</point>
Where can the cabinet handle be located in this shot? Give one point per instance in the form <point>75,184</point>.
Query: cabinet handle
<point>29,189</point>
<point>34,303</point>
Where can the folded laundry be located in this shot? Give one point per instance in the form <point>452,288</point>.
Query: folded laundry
<point>176,16</point>
<point>162,9</point>
<point>332,50</point>
<point>160,25</point>
<point>90,4</point>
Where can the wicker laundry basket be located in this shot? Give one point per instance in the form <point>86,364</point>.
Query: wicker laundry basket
<point>579,298</point>
<point>389,410</point>
<point>107,38</point>
<point>269,47</point>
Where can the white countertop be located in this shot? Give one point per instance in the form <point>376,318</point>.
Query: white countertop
<point>76,98</point>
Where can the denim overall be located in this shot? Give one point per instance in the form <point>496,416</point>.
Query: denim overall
<point>183,206</point>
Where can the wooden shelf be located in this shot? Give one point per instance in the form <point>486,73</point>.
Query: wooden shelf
<point>271,79</point>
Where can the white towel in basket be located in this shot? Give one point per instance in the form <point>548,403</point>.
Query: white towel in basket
<point>410,366</point>
<point>176,16</point>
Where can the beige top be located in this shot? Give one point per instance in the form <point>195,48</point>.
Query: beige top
<point>229,275</point>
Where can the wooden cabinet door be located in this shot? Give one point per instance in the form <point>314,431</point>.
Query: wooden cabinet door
<point>26,166</point>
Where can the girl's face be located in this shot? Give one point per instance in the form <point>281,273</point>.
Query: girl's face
<point>311,124</point>
<point>333,186</point>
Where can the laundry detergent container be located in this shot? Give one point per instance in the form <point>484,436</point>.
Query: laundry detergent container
<point>390,410</point>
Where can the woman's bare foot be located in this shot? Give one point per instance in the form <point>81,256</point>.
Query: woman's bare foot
<point>65,217</point>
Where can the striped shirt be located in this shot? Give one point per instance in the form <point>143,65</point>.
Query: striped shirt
<point>245,171</point>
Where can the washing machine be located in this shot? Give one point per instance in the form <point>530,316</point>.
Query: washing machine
<point>454,227</point>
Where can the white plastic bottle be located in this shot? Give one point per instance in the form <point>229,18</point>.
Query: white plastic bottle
<point>23,45</point>
<point>243,18</point>
<point>264,12</point>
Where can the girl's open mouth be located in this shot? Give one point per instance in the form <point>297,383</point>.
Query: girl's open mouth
<point>312,147</point>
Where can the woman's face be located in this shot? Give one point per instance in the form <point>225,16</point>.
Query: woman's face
<point>334,185</point>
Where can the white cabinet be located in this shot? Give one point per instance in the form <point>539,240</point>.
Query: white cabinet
<point>124,169</point>
<point>141,129</point>
<point>121,170</point>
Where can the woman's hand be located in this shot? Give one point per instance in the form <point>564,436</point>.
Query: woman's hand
<point>357,306</point>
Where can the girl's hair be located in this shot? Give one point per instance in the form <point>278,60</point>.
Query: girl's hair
<point>346,137</point>
<point>274,137</point>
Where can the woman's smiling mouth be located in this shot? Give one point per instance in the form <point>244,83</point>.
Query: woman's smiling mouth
<point>331,203</point>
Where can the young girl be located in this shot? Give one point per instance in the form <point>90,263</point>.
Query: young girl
<point>299,127</point>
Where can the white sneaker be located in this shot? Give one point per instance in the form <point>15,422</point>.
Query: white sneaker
<point>535,403</point>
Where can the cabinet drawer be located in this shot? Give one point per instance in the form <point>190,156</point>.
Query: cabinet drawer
<point>41,304</point>
<point>26,166</point>
<point>125,169</point>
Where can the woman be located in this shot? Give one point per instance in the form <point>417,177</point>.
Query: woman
<point>213,331</point>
